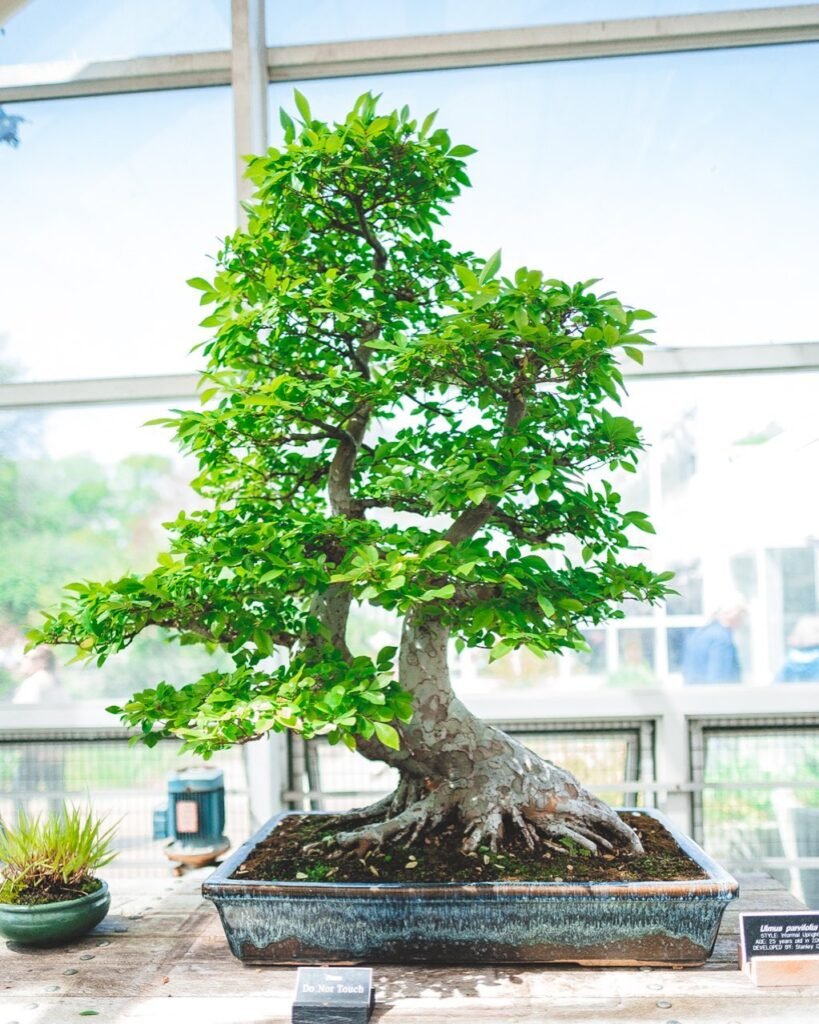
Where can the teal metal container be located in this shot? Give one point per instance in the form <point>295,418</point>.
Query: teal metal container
<point>195,814</point>
<point>54,924</point>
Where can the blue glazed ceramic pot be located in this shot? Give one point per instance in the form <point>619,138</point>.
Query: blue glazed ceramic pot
<point>52,924</point>
<point>594,923</point>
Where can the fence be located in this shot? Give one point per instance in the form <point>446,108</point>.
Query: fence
<point>744,784</point>
<point>95,767</point>
<point>608,755</point>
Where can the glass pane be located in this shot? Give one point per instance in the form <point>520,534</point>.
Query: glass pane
<point>660,174</point>
<point>109,205</point>
<point>82,495</point>
<point>688,584</point>
<point>50,30</point>
<point>775,814</point>
<point>320,21</point>
<point>740,531</point>
<point>636,658</point>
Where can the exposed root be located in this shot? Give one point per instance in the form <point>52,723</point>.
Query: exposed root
<point>543,808</point>
<point>422,816</point>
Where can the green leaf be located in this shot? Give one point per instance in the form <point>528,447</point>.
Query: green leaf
<point>302,105</point>
<point>491,267</point>
<point>634,353</point>
<point>484,617</point>
<point>388,735</point>
<point>288,125</point>
<point>439,593</point>
<point>264,645</point>
<point>467,278</point>
<point>500,650</point>
<point>462,150</point>
<point>429,120</point>
<point>201,284</point>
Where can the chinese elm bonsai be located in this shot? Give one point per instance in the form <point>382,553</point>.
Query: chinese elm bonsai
<point>385,420</point>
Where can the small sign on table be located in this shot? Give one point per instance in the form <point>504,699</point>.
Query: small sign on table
<point>333,995</point>
<point>780,949</point>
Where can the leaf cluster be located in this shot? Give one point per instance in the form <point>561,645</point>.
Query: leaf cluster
<point>383,420</point>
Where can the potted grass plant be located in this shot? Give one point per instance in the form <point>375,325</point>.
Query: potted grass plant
<point>49,893</point>
<point>387,421</point>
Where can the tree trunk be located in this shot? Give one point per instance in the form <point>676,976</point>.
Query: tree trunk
<point>453,764</point>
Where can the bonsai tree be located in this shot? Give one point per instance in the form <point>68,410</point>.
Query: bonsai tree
<point>387,421</point>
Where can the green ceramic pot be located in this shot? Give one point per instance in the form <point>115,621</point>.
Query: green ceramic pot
<point>52,924</point>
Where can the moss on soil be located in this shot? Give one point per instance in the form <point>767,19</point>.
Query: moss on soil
<point>437,858</point>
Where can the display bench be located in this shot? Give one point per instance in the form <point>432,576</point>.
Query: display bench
<point>161,956</point>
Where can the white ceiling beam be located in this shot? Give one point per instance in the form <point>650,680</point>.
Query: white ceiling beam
<point>69,78</point>
<point>659,363</point>
<point>696,361</point>
<point>98,391</point>
<point>538,43</point>
<point>531,44</point>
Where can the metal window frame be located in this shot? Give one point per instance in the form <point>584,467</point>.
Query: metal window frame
<point>444,51</point>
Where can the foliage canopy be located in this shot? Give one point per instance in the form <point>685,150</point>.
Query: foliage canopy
<point>383,420</point>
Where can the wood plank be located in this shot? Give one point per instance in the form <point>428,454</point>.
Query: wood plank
<point>163,947</point>
<point>563,1010</point>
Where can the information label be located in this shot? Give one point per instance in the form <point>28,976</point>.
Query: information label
<point>791,934</point>
<point>333,995</point>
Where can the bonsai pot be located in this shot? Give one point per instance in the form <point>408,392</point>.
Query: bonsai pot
<point>593,923</point>
<point>51,924</point>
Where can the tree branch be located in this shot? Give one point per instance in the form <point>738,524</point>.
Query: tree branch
<point>470,521</point>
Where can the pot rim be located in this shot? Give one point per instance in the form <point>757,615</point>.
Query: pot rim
<point>719,884</point>
<point>44,908</point>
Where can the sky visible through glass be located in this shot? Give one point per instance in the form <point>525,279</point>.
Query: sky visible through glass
<point>112,203</point>
<point>685,181</point>
<point>54,30</point>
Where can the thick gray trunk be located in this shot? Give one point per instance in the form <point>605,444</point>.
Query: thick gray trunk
<point>454,764</point>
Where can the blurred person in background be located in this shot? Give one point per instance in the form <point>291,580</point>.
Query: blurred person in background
<point>40,682</point>
<point>801,663</point>
<point>710,654</point>
<point>40,772</point>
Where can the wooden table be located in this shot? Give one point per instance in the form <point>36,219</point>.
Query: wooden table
<point>161,956</point>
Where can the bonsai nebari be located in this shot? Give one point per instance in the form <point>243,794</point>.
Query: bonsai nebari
<point>387,421</point>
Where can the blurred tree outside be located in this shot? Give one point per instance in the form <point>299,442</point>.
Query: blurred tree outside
<point>78,517</point>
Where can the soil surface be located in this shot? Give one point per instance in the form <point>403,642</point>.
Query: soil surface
<point>53,892</point>
<point>437,858</point>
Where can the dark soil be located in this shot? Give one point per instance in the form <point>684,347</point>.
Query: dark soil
<point>55,892</point>
<point>437,858</point>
